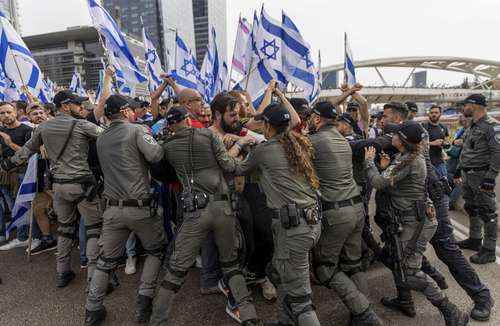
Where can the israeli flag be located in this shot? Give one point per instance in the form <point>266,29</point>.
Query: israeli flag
<point>256,82</point>
<point>224,78</point>
<point>76,84</point>
<point>185,71</point>
<point>8,89</point>
<point>349,68</point>
<point>210,71</point>
<point>118,50</point>
<point>44,94</point>
<point>25,195</point>
<point>16,60</point>
<point>240,62</point>
<point>251,52</point>
<point>298,66</point>
<point>154,69</point>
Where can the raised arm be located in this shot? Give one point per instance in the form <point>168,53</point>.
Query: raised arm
<point>363,105</point>
<point>155,96</point>
<point>105,92</point>
<point>295,119</point>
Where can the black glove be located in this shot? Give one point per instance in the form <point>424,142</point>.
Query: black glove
<point>457,174</point>
<point>487,184</point>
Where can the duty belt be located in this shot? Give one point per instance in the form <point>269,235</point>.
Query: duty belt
<point>408,212</point>
<point>481,168</point>
<point>327,205</point>
<point>129,202</point>
<point>278,212</point>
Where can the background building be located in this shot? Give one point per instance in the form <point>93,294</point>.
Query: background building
<point>59,53</point>
<point>207,13</point>
<point>419,79</point>
<point>9,7</point>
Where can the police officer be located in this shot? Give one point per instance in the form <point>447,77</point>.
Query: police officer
<point>66,139</point>
<point>479,165</point>
<point>443,240</point>
<point>199,159</point>
<point>337,257</point>
<point>404,180</point>
<point>125,149</point>
<point>289,183</point>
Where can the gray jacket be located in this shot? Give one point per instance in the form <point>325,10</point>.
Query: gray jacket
<point>124,151</point>
<point>53,134</point>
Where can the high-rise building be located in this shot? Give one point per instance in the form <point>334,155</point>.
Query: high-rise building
<point>208,13</point>
<point>9,7</point>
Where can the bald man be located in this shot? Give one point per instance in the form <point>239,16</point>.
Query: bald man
<point>193,102</point>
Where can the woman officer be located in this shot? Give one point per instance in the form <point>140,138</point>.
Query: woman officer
<point>404,180</point>
<point>290,184</point>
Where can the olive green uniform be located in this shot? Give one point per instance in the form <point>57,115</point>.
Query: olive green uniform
<point>70,175</point>
<point>289,269</point>
<point>199,155</point>
<point>338,253</point>
<point>124,151</point>
<point>480,158</point>
<point>405,188</point>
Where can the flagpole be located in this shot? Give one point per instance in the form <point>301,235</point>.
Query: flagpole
<point>345,57</point>
<point>31,219</point>
<point>250,70</point>
<point>106,53</point>
<point>24,88</point>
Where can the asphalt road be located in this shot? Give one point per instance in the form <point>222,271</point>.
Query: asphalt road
<point>28,296</point>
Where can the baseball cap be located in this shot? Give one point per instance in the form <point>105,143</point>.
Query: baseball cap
<point>409,131</point>
<point>325,109</point>
<point>177,114</point>
<point>115,104</point>
<point>345,117</point>
<point>352,106</point>
<point>67,96</point>
<point>275,114</point>
<point>412,106</point>
<point>33,106</point>
<point>478,99</point>
<point>300,105</point>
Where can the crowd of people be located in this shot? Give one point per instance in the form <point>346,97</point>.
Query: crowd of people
<point>275,196</point>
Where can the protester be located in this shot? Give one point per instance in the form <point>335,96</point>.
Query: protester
<point>438,140</point>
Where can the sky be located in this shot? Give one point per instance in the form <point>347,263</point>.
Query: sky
<point>376,29</point>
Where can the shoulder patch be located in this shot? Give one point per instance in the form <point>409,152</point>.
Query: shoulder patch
<point>149,139</point>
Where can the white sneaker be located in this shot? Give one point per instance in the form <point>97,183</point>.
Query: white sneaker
<point>16,243</point>
<point>34,243</point>
<point>130,266</point>
<point>268,290</point>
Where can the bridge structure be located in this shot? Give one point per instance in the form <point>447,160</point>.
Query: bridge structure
<point>485,71</point>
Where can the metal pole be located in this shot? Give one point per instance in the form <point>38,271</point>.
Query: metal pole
<point>250,70</point>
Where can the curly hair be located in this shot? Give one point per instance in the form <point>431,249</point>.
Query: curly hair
<point>300,153</point>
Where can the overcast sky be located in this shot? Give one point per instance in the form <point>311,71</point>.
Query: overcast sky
<point>376,29</point>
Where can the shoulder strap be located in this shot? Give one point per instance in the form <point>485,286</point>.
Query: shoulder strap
<point>73,123</point>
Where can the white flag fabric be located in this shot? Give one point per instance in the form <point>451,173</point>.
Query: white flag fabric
<point>25,195</point>
<point>154,69</point>
<point>185,71</point>
<point>118,50</point>
<point>76,84</point>
<point>240,61</point>
<point>349,68</point>
<point>256,81</point>
<point>16,59</point>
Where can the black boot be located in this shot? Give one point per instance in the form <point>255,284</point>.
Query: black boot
<point>143,309</point>
<point>452,315</point>
<point>471,244</point>
<point>484,256</point>
<point>367,318</point>
<point>63,279</point>
<point>402,303</point>
<point>94,318</point>
<point>482,309</point>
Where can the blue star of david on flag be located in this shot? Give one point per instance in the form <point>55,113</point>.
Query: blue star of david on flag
<point>151,55</point>
<point>188,67</point>
<point>309,63</point>
<point>274,49</point>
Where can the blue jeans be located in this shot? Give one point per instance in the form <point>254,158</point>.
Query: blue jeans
<point>131,245</point>
<point>82,235</point>
<point>441,169</point>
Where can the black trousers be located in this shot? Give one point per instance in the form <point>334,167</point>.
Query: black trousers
<point>256,220</point>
